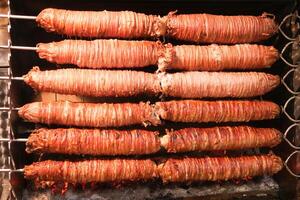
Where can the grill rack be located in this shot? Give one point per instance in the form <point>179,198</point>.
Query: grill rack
<point>10,108</point>
<point>11,164</point>
<point>294,94</point>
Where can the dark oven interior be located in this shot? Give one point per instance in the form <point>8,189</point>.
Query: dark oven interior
<point>26,33</point>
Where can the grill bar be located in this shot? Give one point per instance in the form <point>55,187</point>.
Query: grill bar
<point>12,170</point>
<point>286,85</point>
<point>18,47</point>
<point>9,191</point>
<point>8,109</point>
<point>284,109</point>
<point>13,140</point>
<point>284,59</point>
<point>286,133</point>
<point>294,153</point>
<point>11,78</point>
<point>9,16</point>
<point>291,18</point>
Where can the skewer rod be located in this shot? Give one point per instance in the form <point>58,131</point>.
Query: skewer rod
<point>11,78</point>
<point>13,140</point>
<point>17,16</point>
<point>12,170</point>
<point>8,109</point>
<point>18,47</point>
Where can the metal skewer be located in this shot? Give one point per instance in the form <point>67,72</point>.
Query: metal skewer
<point>18,47</point>
<point>17,16</point>
<point>9,46</point>
<point>13,140</point>
<point>12,170</point>
<point>11,78</point>
<point>8,109</point>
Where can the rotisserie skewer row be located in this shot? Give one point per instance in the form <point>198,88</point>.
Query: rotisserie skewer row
<point>217,84</point>
<point>93,141</point>
<point>216,111</point>
<point>139,142</point>
<point>136,54</point>
<point>105,83</point>
<point>126,24</point>
<point>115,170</point>
<point>173,170</point>
<point>125,114</point>
<point>97,83</point>
<point>218,168</point>
<point>219,138</point>
<point>90,114</point>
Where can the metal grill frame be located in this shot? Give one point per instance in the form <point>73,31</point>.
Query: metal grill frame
<point>10,108</point>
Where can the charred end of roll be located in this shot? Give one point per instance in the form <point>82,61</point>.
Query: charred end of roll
<point>35,142</point>
<point>43,170</point>
<point>277,137</point>
<point>166,57</point>
<point>272,55</point>
<point>31,78</point>
<point>45,19</point>
<point>273,81</point>
<point>30,112</point>
<point>271,25</point>
<point>275,110</point>
<point>47,51</point>
<point>32,171</point>
<point>270,110</point>
<point>277,164</point>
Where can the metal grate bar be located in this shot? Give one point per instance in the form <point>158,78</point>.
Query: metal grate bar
<point>9,46</point>
<point>13,140</point>
<point>11,78</point>
<point>292,18</point>
<point>9,16</point>
<point>12,170</point>
<point>5,109</point>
